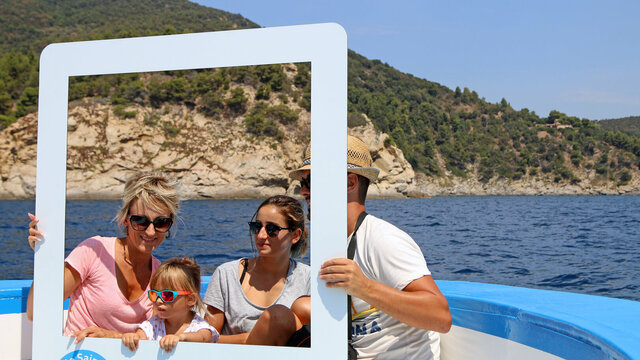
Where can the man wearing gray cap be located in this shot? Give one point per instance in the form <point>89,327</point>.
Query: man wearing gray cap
<point>396,308</point>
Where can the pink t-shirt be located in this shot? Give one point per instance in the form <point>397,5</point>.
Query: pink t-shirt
<point>98,300</point>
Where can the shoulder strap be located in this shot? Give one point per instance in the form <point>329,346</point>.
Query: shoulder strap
<point>244,269</point>
<point>351,249</point>
<point>351,252</point>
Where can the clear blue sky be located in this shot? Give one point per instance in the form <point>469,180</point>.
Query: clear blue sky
<point>579,57</point>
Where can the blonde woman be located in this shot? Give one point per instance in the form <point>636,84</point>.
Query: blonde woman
<point>107,278</point>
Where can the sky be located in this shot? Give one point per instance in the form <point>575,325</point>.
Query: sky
<point>578,57</point>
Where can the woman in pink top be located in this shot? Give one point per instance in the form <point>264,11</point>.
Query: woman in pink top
<point>107,278</point>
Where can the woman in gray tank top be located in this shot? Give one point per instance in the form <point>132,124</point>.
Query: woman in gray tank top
<point>265,299</point>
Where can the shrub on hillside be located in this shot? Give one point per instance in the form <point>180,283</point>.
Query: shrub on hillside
<point>237,103</point>
<point>211,104</point>
<point>624,177</point>
<point>355,119</point>
<point>282,114</point>
<point>263,92</point>
<point>120,111</point>
<point>258,123</point>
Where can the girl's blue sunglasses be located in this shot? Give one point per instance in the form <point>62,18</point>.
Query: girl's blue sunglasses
<point>167,296</point>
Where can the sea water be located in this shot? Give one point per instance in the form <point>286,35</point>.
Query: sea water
<point>586,244</point>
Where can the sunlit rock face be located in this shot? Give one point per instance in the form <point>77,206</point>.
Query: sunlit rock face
<point>212,158</point>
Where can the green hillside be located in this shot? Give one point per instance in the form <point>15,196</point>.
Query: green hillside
<point>442,132</point>
<point>32,24</point>
<point>439,129</point>
<point>629,125</point>
<point>29,25</point>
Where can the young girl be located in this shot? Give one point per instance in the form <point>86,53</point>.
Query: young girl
<point>175,294</point>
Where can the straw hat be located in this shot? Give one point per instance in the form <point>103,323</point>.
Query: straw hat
<point>358,161</point>
<point>306,165</point>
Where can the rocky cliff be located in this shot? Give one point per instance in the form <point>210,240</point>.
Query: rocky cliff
<point>211,158</point>
<point>216,158</point>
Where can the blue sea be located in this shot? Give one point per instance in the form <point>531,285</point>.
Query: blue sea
<point>585,244</point>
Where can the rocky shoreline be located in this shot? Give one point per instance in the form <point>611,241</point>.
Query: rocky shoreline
<point>217,159</point>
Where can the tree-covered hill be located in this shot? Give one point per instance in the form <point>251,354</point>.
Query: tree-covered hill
<point>32,24</point>
<point>629,125</point>
<point>27,26</point>
<point>442,132</point>
<point>458,133</point>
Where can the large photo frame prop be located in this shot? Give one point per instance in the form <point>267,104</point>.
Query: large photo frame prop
<point>323,45</point>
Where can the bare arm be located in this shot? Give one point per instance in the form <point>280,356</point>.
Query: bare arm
<point>94,331</point>
<point>71,277</point>
<point>420,304</point>
<point>71,282</point>
<point>202,335</point>
<point>170,341</point>
<point>217,320</point>
<point>34,236</point>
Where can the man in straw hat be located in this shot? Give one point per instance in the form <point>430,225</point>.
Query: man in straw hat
<point>396,308</point>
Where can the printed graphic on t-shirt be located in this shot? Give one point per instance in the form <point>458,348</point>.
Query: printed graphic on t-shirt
<point>367,321</point>
<point>368,324</point>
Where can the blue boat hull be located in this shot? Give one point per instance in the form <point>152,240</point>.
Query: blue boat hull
<point>489,322</point>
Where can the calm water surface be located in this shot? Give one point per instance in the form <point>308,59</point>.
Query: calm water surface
<point>584,244</point>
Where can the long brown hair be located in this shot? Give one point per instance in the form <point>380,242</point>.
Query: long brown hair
<point>292,210</point>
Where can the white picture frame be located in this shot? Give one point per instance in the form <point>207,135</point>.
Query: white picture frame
<point>323,45</point>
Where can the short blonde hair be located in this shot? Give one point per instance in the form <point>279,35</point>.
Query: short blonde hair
<point>157,192</point>
<point>180,274</point>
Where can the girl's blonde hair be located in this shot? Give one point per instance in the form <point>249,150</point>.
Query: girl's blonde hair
<point>180,274</point>
<point>157,192</point>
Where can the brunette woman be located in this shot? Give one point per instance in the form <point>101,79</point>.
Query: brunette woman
<point>251,298</point>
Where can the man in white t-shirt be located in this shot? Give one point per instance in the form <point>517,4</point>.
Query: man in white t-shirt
<point>397,308</point>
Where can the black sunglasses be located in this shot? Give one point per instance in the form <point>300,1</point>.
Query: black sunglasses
<point>141,223</point>
<point>272,230</point>
<point>306,182</point>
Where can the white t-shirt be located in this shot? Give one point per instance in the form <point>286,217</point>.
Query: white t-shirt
<point>154,328</point>
<point>388,255</point>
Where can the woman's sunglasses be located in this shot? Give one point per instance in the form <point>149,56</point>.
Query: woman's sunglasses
<point>167,296</point>
<point>272,230</point>
<point>141,223</point>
